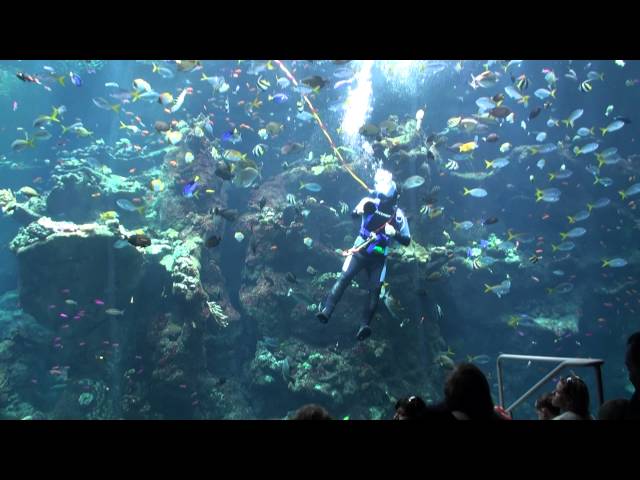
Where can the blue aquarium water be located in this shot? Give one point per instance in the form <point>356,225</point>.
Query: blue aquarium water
<point>172,228</point>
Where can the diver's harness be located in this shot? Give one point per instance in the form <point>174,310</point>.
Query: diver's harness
<point>371,236</point>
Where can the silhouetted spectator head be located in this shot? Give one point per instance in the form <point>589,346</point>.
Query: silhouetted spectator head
<point>467,391</point>
<point>311,412</point>
<point>545,408</point>
<point>632,359</point>
<point>410,408</point>
<point>614,410</point>
<point>623,409</point>
<point>572,395</point>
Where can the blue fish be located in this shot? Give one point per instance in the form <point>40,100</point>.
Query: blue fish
<point>190,188</point>
<point>279,97</point>
<point>232,136</point>
<point>312,187</point>
<point>127,205</point>
<point>469,253</point>
<point>484,244</point>
<point>75,79</point>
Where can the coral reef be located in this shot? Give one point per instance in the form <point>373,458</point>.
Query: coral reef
<point>22,341</point>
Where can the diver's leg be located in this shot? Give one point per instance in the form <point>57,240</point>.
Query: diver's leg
<point>352,265</point>
<point>376,272</point>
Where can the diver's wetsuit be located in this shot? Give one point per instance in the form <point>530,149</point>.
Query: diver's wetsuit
<point>373,259</point>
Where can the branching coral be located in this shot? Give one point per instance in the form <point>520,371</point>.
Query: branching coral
<point>413,253</point>
<point>218,314</point>
<point>7,201</point>
<point>328,163</point>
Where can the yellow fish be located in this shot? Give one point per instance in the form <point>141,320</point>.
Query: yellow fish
<point>468,147</point>
<point>110,215</point>
<point>514,321</point>
<point>454,122</point>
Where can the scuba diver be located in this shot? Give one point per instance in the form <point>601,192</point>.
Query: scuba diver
<point>382,222</point>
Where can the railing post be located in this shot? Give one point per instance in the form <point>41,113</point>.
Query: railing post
<point>599,384</point>
<point>500,386</point>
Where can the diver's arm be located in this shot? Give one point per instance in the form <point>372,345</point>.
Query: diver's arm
<point>402,239</point>
<point>360,208</point>
<point>403,236</point>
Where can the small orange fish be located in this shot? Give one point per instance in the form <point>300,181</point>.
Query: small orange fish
<point>244,125</point>
<point>274,247</point>
<point>173,163</point>
<point>535,278</point>
<point>545,216</point>
<point>132,170</point>
<point>241,102</point>
<point>95,195</point>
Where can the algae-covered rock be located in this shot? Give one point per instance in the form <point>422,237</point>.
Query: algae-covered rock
<point>81,258</point>
<point>76,183</point>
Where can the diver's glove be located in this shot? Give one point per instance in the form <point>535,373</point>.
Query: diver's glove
<point>389,230</point>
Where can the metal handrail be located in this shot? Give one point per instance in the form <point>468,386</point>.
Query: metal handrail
<point>564,362</point>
